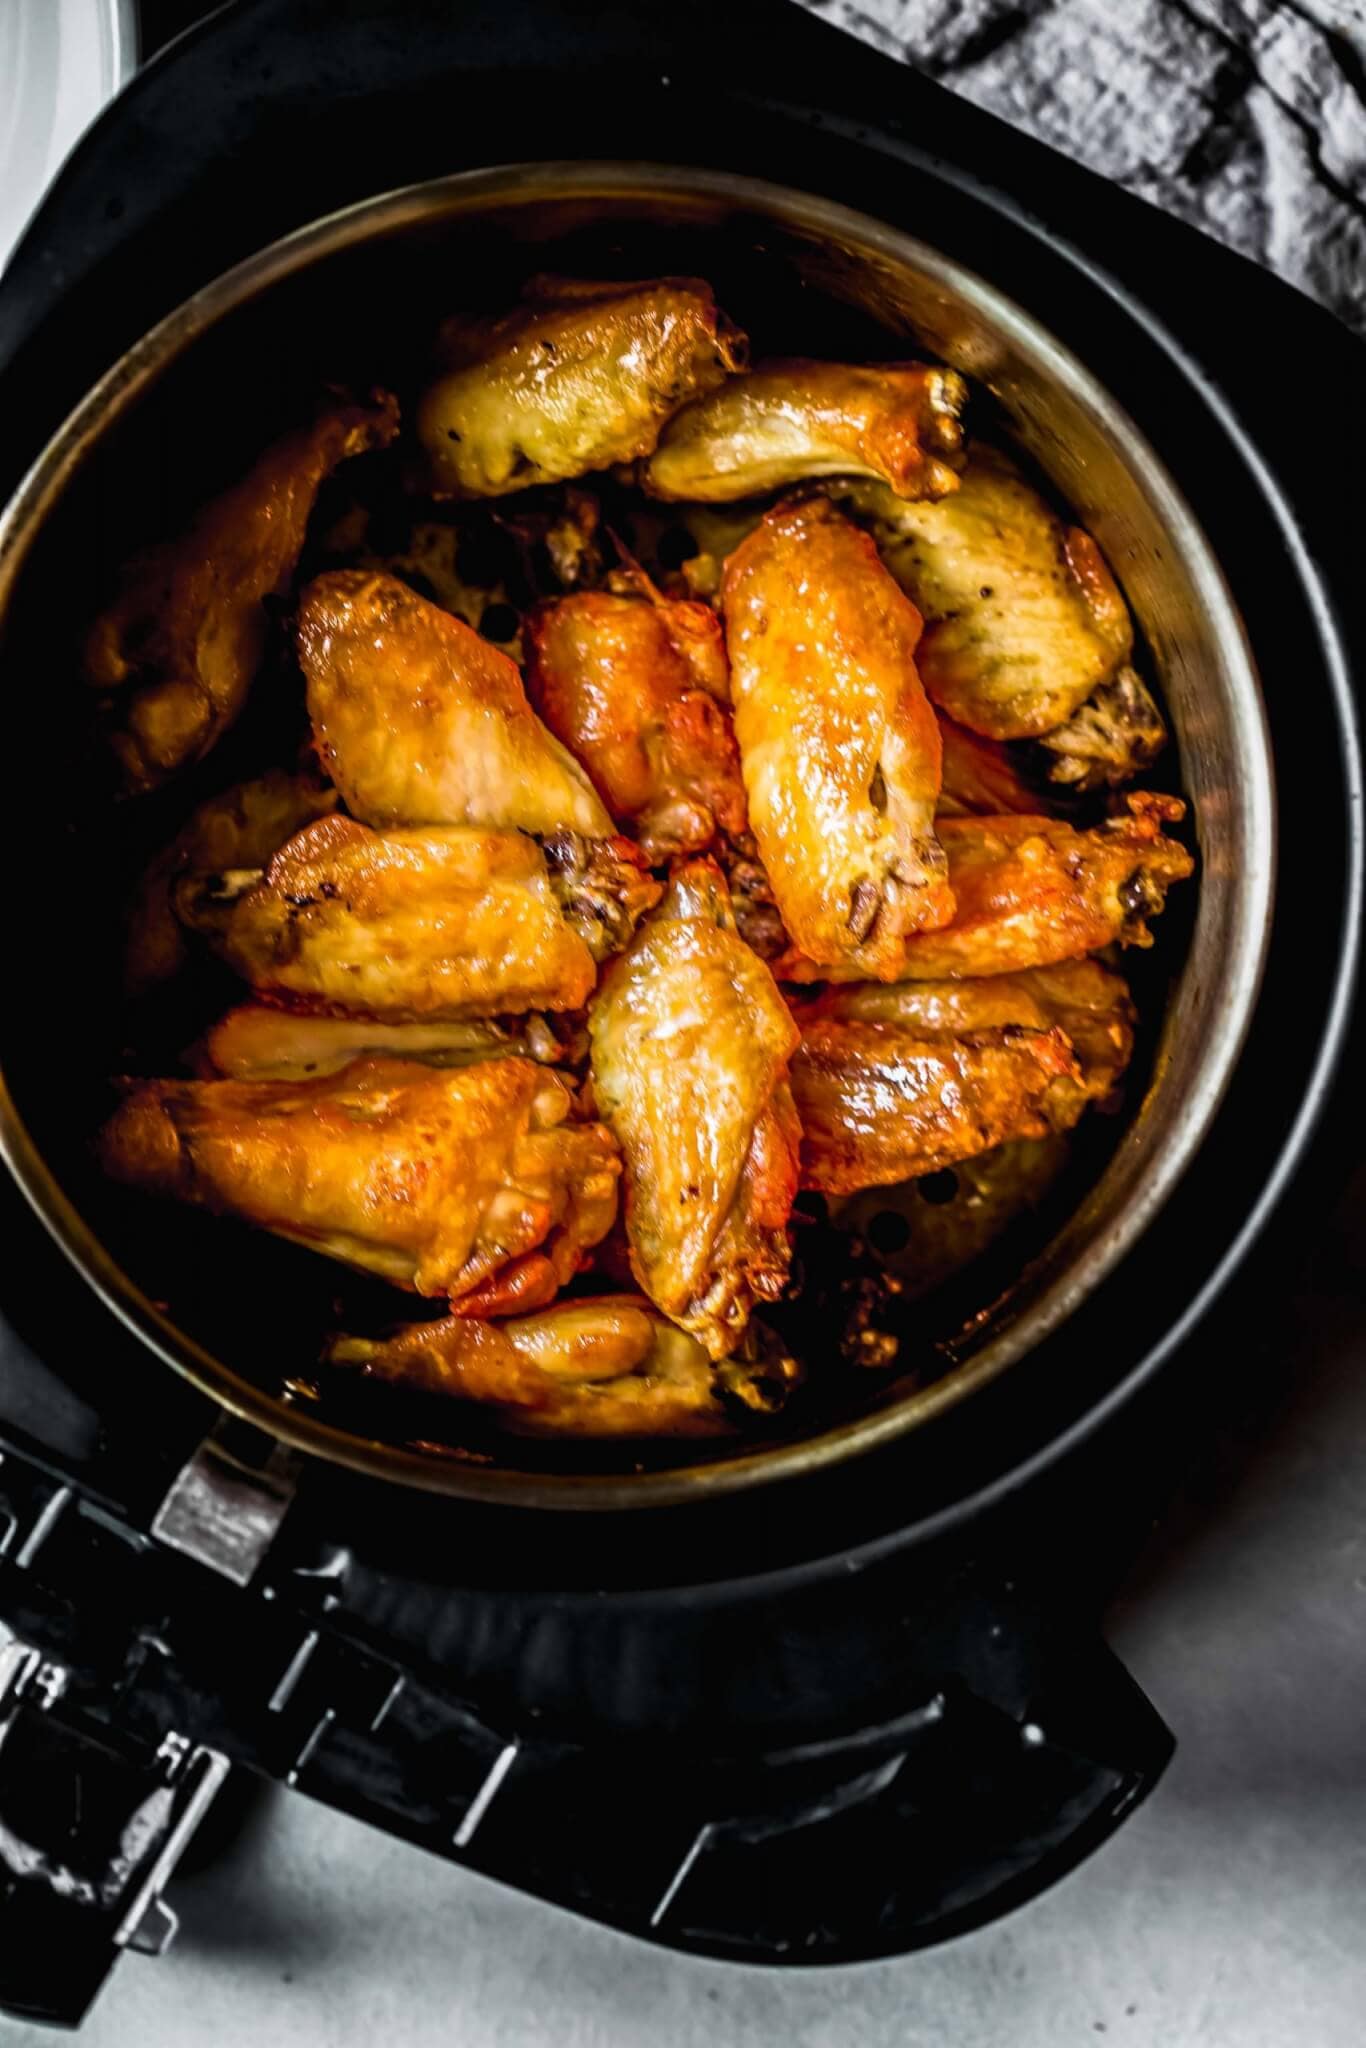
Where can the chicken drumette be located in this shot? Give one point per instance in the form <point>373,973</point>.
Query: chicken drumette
<point>605,1367</point>
<point>580,376</point>
<point>179,647</point>
<point>791,420</point>
<point>425,924</point>
<point>472,1183</point>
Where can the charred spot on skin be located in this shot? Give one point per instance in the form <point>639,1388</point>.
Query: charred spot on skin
<point>1140,896</point>
<point>865,900</point>
<point>877,790</point>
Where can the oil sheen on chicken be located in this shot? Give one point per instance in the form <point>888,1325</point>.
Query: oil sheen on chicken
<point>791,420</point>
<point>607,1366</point>
<point>472,1183</point>
<point>580,376</point>
<point>691,1041</point>
<point>178,649</point>
<point>841,752</point>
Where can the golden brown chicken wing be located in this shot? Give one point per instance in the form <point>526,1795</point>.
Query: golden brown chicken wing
<point>636,686</point>
<point>242,828</point>
<point>421,722</point>
<point>440,923</point>
<point>1088,1002</point>
<point>1022,618</point>
<point>605,1367</point>
<point>181,643</point>
<point>840,750</point>
<point>881,1103</point>
<point>471,1183</point>
<point>1033,891</point>
<point>580,376</point>
<point>792,419</point>
<point>256,1043</point>
<point>690,1048</point>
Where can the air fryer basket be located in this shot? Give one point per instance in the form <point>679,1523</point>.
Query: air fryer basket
<point>354,298</point>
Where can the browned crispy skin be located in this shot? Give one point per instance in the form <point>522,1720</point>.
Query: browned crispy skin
<point>1113,736</point>
<point>242,828</point>
<point>470,1183</point>
<point>1022,617</point>
<point>438,923</point>
<point>981,777</point>
<point>792,419</point>
<point>636,686</point>
<point>690,1048</point>
<point>1090,1003</point>
<point>579,377</point>
<point>610,1366</point>
<point>879,1103</point>
<point>419,721</point>
<point>840,749</point>
<point>1033,891</point>
<point>256,1043</point>
<point>181,643</point>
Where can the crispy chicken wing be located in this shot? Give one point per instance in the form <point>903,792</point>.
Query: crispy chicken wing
<point>881,1103</point>
<point>1022,618</point>
<point>256,1043</point>
<point>1032,891</point>
<point>439,923</point>
<point>690,1048</point>
<point>471,1183</point>
<point>181,643</point>
<point>580,376</point>
<point>606,1367</point>
<point>421,722</point>
<point>636,685</point>
<point>242,828</point>
<point>840,750</point>
<point>1088,1002</point>
<point>791,419</point>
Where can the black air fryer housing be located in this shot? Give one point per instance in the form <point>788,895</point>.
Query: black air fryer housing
<point>833,1718</point>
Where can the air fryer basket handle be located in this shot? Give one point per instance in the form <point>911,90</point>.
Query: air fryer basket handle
<point>912,1830</point>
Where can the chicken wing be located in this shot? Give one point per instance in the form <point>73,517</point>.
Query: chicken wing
<point>580,376</point>
<point>472,1183</point>
<point>840,750</point>
<point>182,642</point>
<point>1115,735</point>
<point>1022,618</point>
<point>1088,1002</point>
<point>690,1046</point>
<point>255,1043</point>
<point>242,828</point>
<point>421,722</point>
<point>605,1367</point>
<point>1032,892</point>
<point>636,685</point>
<point>423,925</point>
<point>789,420</point>
<point>981,777</point>
<point>881,1103</point>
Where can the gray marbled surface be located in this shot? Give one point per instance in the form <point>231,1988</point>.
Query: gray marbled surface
<point>1245,117</point>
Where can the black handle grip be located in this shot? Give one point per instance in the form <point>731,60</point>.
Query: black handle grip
<point>902,1835</point>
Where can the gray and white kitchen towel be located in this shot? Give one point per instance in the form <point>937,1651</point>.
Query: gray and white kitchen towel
<point>1245,117</point>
